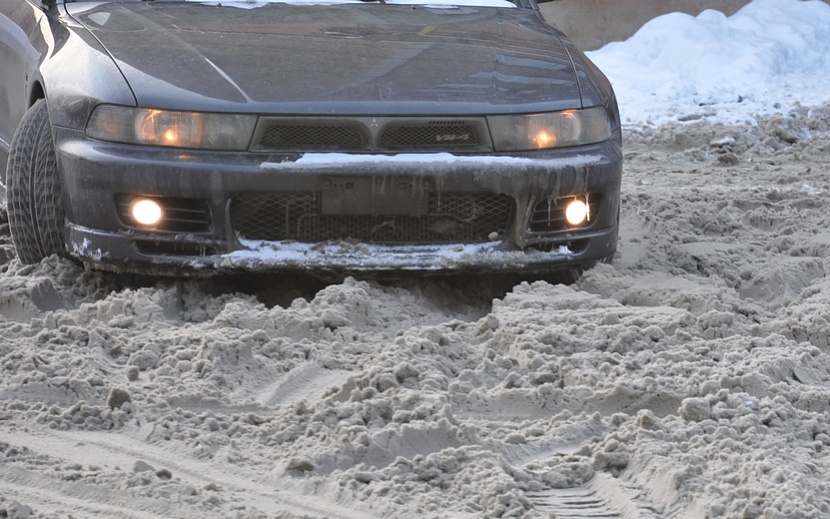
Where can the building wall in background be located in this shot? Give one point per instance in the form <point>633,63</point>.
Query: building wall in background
<point>593,23</point>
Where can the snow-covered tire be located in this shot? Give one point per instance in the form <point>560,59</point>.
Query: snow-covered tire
<point>35,199</point>
<point>571,275</point>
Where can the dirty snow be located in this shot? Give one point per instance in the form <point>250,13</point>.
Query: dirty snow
<point>689,379</point>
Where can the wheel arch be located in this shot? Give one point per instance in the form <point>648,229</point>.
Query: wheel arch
<point>36,92</point>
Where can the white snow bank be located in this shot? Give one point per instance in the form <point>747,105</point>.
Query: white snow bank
<point>769,56</point>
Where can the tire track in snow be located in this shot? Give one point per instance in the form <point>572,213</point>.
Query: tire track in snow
<point>307,381</point>
<point>29,487</point>
<point>602,497</point>
<point>115,453</point>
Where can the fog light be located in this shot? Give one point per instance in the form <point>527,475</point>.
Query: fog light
<point>577,212</point>
<point>146,211</point>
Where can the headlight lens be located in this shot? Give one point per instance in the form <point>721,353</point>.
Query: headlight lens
<point>174,129</point>
<point>550,130</point>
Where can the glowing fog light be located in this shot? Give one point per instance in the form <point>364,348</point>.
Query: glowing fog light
<point>577,212</point>
<point>146,212</point>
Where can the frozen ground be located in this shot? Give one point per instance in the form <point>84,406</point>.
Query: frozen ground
<point>689,379</point>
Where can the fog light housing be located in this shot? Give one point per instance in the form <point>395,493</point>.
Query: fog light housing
<point>577,212</point>
<point>146,212</point>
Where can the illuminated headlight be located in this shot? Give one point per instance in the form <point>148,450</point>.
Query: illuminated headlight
<point>174,129</point>
<point>550,130</point>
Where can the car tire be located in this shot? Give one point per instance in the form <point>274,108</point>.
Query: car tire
<point>34,193</point>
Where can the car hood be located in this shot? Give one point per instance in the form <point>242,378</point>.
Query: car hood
<point>334,59</point>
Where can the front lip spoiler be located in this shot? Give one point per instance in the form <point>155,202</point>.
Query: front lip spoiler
<point>89,246</point>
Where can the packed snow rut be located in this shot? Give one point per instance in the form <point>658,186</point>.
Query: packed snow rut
<point>146,462</point>
<point>689,379</point>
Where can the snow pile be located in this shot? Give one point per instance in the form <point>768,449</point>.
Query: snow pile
<point>766,58</point>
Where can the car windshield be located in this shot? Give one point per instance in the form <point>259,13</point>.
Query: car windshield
<point>253,4</point>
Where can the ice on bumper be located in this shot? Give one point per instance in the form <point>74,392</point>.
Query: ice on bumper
<point>312,160</point>
<point>361,256</point>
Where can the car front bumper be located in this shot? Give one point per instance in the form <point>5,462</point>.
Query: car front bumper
<point>98,175</point>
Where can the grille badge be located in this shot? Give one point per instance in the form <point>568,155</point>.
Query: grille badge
<point>452,137</point>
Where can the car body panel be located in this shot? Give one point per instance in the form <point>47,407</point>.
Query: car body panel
<point>78,73</point>
<point>21,50</point>
<point>43,50</point>
<point>292,59</point>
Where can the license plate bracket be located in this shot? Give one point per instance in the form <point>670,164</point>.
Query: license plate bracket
<point>375,196</point>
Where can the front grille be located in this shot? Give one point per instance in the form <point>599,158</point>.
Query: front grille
<point>549,215</point>
<point>295,137</point>
<point>180,214</point>
<point>371,135</point>
<point>451,218</point>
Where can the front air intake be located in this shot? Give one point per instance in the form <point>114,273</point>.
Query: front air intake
<point>450,218</point>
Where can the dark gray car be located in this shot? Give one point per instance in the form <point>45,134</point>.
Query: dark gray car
<point>175,136</point>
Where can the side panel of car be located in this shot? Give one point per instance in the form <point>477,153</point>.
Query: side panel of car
<point>21,46</point>
<point>594,86</point>
<point>45,53</point>
<point>78,74</point>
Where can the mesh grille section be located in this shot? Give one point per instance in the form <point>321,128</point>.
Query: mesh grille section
<point>288,137</point>
<point>452,218</point>
<point>434,136</point>
<point>272,216</point>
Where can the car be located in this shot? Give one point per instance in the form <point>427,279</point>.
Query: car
<point>185,137</point>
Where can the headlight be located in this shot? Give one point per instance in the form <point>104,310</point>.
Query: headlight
<point>550,130</point>
<point>173,129</point>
